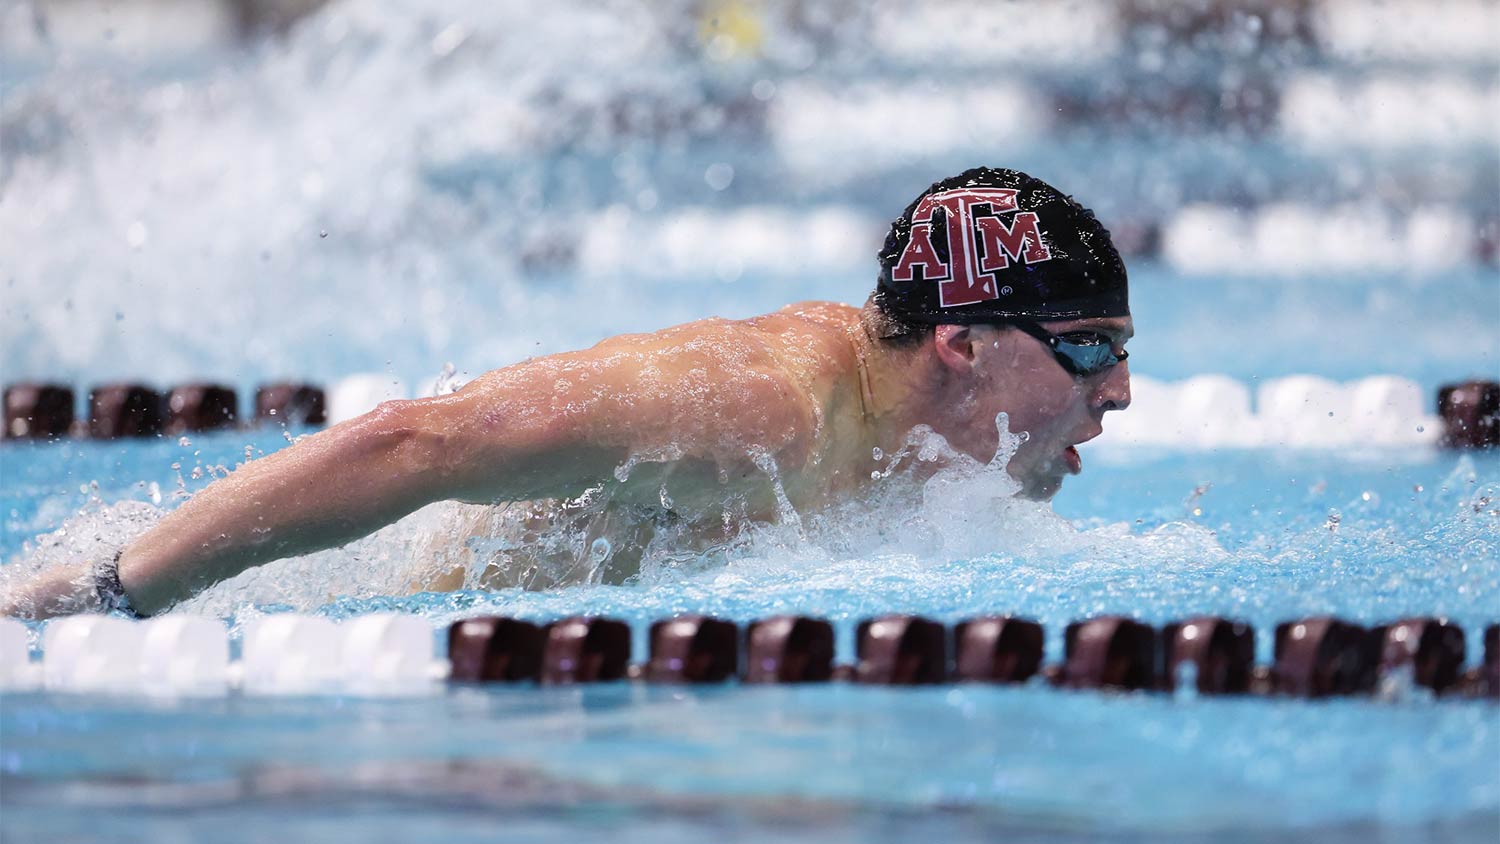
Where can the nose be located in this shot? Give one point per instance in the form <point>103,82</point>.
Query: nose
<point>1114,390</point>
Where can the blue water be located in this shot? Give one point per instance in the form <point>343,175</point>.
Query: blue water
<point>1159,535</point>
<point>399,184</point>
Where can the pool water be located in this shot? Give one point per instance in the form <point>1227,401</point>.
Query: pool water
<point>361,196</point>
<point>1260,535</point>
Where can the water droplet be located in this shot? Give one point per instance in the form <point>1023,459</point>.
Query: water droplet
<point>322,234</point>
<point>719,175</point>
<point>184,442</point>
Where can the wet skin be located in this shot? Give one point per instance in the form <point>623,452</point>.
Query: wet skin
<point>699,414</point>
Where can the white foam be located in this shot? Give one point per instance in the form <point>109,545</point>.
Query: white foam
<point>357,395</point>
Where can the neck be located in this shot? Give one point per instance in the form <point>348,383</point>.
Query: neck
<point>890,389</point>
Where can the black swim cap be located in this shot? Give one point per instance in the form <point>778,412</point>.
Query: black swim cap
<point>990,246</point>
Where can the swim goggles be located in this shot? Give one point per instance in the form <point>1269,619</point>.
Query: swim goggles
<point>1081,353</point>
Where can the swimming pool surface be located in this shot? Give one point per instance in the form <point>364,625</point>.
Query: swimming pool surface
<point>360,195</point>
<point>1263,536</point>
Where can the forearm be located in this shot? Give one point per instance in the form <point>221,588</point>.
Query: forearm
<point>327,490</point>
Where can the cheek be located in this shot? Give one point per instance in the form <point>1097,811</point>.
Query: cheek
<point>1039,402</point>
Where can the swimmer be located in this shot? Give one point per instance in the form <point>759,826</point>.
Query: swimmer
<point>996,294</point>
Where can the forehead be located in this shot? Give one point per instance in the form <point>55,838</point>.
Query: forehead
<point>1120,328</point>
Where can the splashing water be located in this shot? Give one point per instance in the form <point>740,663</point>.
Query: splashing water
<point>940,534</point>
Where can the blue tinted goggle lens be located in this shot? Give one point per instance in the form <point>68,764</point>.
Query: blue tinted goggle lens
<point>1081,353</point>
<point>1088,358</point>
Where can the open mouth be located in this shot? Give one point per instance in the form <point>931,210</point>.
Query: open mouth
<point>1072,460</point>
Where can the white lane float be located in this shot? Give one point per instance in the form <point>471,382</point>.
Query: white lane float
<point>291,654</point>
<point>387,653</point>
<point>184,655</point>
<point>357,395</point>
<point>382,654</point>
<point>1302,410</point>
<point>91,653</point>
<point>1387,410</point>
<point>1298,412</point>
<point>1214,410</point>
<point>16,671</point>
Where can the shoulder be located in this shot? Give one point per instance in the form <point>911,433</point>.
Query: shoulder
<point>832,317</point>
<point>738,343</point>
<point>758,382</point>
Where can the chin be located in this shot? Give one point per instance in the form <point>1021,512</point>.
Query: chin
<point>1041,489</point>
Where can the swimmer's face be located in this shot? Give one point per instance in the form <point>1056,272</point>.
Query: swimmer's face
<point>1015,373</point>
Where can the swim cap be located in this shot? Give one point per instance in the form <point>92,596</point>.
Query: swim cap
<point>991,246</point>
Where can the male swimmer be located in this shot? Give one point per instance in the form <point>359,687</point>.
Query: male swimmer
<point>996,294</point>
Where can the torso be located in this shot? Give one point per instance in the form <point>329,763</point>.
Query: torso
<point>694,482</point>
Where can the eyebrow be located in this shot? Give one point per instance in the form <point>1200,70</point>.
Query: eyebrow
<point>1115,331</point>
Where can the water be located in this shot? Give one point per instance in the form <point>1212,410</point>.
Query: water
<point>375,149</point>
<point>969,760</point>
<point>1159,535</point>
<point>397,185</point>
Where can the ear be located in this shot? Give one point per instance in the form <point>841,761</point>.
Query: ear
<point>955,346</point>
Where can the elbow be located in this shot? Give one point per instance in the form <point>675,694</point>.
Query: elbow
<point>408,436</point>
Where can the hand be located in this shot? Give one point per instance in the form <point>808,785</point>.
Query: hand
<point>53,591</point>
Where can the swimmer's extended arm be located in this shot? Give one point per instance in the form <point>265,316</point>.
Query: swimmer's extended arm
<point>488,442</point>
<point>497,440</point>
<point>521,433</point>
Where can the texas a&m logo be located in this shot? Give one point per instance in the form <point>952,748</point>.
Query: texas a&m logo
<point>980,243</point>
